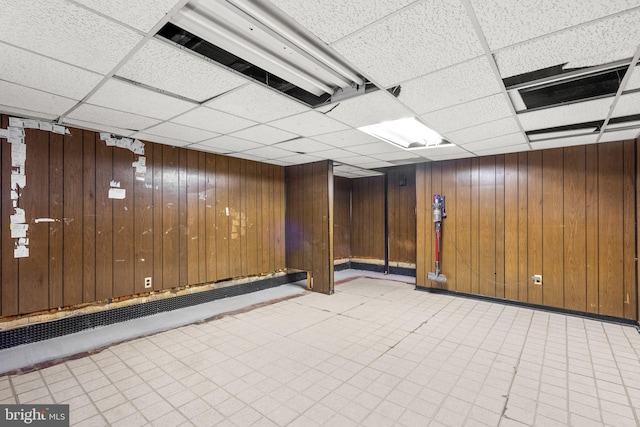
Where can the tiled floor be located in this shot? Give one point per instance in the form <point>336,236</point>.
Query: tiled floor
<point>376,353</point>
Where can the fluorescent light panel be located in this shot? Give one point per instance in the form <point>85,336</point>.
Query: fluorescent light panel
<point>264,37</point>
<point>407,133</point>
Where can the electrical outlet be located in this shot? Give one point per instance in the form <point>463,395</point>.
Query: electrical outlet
<point>537,279</point>
<point>147,282</point>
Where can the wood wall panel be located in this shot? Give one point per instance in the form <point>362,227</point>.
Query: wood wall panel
<point>367,218</point>
<point>342,217</point>
<point>568,214</point>
<point>449,251</point>
<point>309,224</point>
<point>401,207</point>
<point>235,217</point>
<point>166,228</point>
<point>421,224</point>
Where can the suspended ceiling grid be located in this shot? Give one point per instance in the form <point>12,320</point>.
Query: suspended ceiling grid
<point>96,65</point>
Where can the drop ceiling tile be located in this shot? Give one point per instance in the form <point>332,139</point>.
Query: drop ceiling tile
<point>176,71</point>
<point>347,138</point>
<point>621,135</point>
<point>38,72</point>
<point>469,114</point>
<point>498,141</point>
<point>143,136</point>
<point>278,162</point>
<point>376,107</point>
<point>25,98</point>
<point>19,112</point>
<point>346,168</point>
<point>634,81</point>
<point>564,142</point>
<point>247,157</point>
<point>309,124</point>
<point>566,114</point>
<point>212,120</point>
<point>417,40</point>
<point>269,152</point>
<point>257,103</point>
<point>106,116</point>
<point>561,133</point>
<point>331,20</point>
<point>503,150</point>
<point>627,105</point>
<point>141,14</point>
<point>377,164</point>
<point>229,144</point>
<point>345,175</point>
<point>377,147</point>
<point>505,22</point>
<point>99,128</point>
<point>67,32</point>
<point>399,155</point>
<point>205,148</point>
<point>358,160</point>
<point>334,154</point>
<point>180,132</point>
<point>439,151</point>
<point>439,158</point>
<point>300,159</point>
<point>264,134</point>
<point>592,44</point>
<point>123,96</point>
<point>303,145</point>
<point>454,85</point>
<point>486,130</point>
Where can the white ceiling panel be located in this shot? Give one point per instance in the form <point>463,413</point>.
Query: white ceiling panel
<point>299,159</point>
<point>331,20</point>
<point>257,103</point>
<point>269,152</point>
<point>106,116</point>
<point>140,14</point>
<point>376,107</point>
<point>469,114</point>
<point>25,98</point>
<point>214,121</point>
<point>347,138</point>
<point>206,148</point>
<point>419,39</point>
<point>486,130</point>
<point>229,144</point>
<point>20,112</point>
<point>463,155</point>
<point>180,132</point>
<point>498,141</point>
<point>377,147</point>
<point>176,71</point>
<point>440,151</point>
<point>66,32</point>
<point>98,128</point>
<point>398,155</point>
<point>247,157</point>
<point>566,114</point>
<point>303,145</point>
<point>377,164</point>
<point>143,136</point>
<point>358,160</point>
<point>123,96</point>
<point>503,150</point>
<point>621,135</point>
<point>561,133</point>
<point>506,22</point>
<point>38,72</point>
<point>264,134</point>
<point>454,85</point>
<point>634,81</point>
<point>334,154</point>
<point>592,44</point>
<point>627,105</point>
<point>277,162</point>
<point>564,142</point>
<point>310,123</point>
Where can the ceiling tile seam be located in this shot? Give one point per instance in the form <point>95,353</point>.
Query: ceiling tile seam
<point>155,89</point>
<point>623,83</point>
<point>127,57</point>
<point>36,89</point>
<point>377,21</point>
<point>51,58</point>
<point>440,70</point>
<point>564,29</point>
<point>492,63</point>
<point>488,139</point>
<point>107,17</point>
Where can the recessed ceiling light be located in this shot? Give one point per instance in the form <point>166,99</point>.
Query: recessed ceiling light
<point>407,133</point>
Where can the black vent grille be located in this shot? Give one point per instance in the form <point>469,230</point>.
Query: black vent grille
<point>57,328</point>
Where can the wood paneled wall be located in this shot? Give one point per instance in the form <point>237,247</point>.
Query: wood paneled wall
<point>401,212</point>
<point>173,226</point>
<point>367,217</point>
<point>309,221</point>
<point>567,214</point>
<point>341,217</point>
